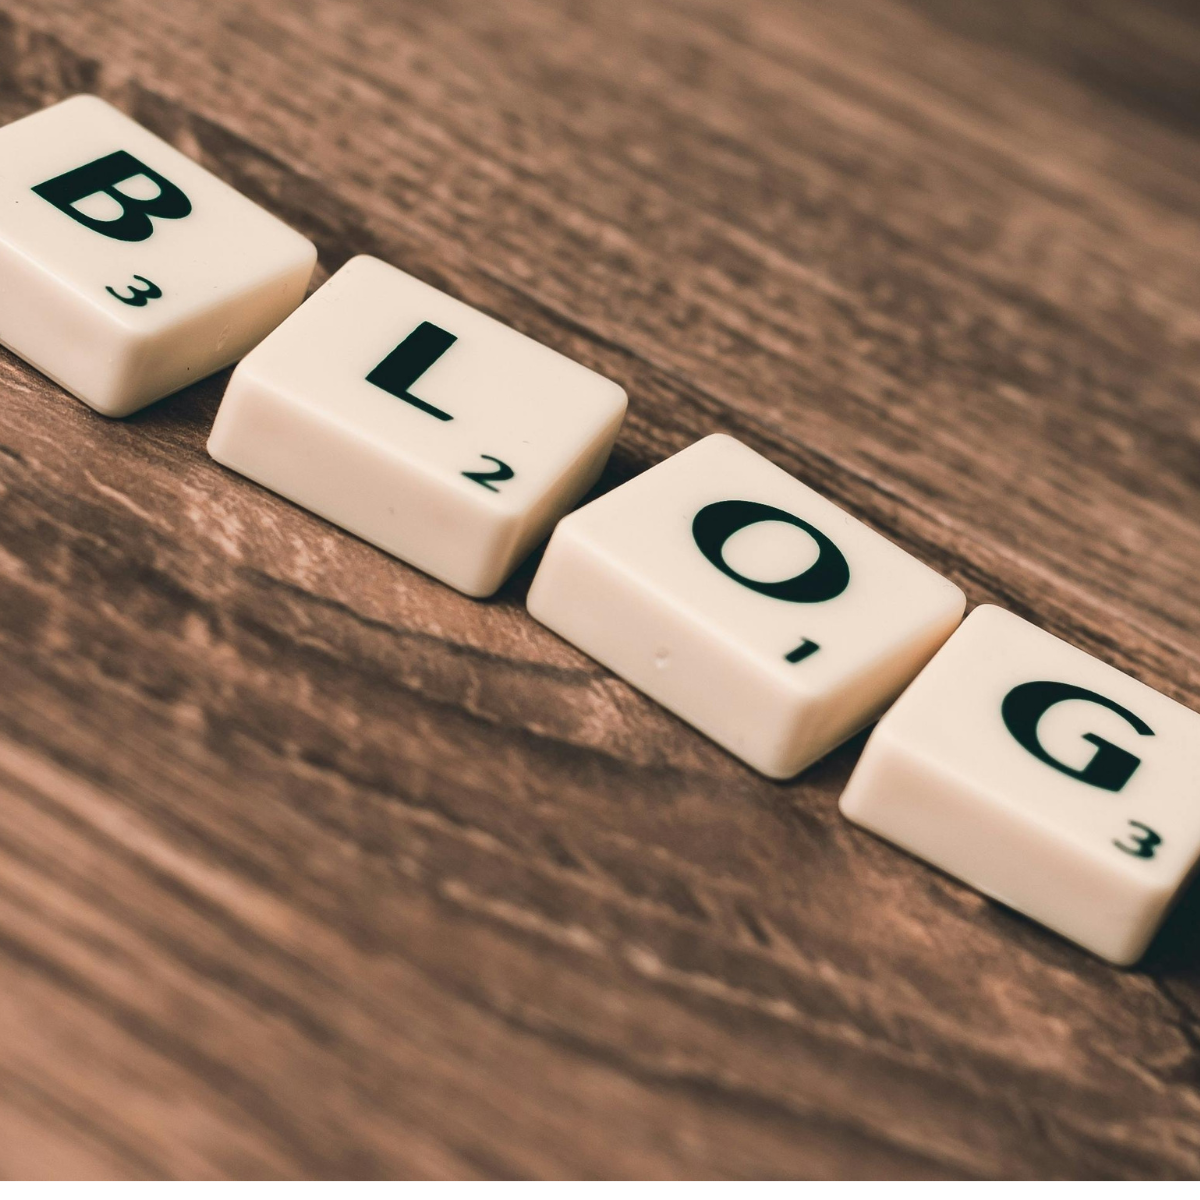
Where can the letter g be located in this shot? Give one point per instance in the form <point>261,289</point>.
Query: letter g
<point>1110,768</point>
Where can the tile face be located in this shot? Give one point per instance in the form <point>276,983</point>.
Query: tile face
<point>745,602</point>
<point>128,271</point>
<point>419,424</point>
<point>1044,778</point>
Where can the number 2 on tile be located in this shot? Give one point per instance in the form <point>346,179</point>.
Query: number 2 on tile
<point>487,478</point>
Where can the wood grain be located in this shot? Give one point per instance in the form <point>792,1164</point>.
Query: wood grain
<point>310,866</point>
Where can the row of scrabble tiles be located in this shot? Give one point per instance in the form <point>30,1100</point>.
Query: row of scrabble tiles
<point>715,582</point>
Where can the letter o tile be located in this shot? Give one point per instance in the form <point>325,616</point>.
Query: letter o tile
<point>745,602</point>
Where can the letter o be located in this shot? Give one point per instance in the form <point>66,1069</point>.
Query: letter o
<point>716,523</point>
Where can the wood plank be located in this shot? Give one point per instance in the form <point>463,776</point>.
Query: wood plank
<point>310,866</point>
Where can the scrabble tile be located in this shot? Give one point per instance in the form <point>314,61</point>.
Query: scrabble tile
<point>1044,778</point>
<point>127,270</point>
<point>745,602</point>
<point>419,424</point>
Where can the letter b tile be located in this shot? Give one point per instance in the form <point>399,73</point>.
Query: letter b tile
<point>745,602</point>
<point>1044,778</point>
<point>127,271</point>
<point>418,423</point>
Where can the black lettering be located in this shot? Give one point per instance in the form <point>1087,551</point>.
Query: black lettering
<point>487,478</point>
<point>138,297</point>
<point>1110,768</point>
<point>716,523</point>
<point>1143,844</point>
<point>409,361</point>
<point>103,175</point>
<point>802,651</point>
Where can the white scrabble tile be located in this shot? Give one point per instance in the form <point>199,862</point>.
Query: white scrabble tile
<point>1043,777</point>
<point>127,270</point>
<point>745,602</point>
<point>419,424</point>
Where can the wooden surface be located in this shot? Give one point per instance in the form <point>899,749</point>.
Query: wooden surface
<point>311,866</point>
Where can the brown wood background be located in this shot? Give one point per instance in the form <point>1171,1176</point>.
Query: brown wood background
<point>310,866</point>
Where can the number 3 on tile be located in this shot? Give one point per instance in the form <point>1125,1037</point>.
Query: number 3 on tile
<point>138,296</point>
<point>1143,844</point>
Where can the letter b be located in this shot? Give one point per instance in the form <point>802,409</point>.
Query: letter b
<point>103,175</point>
